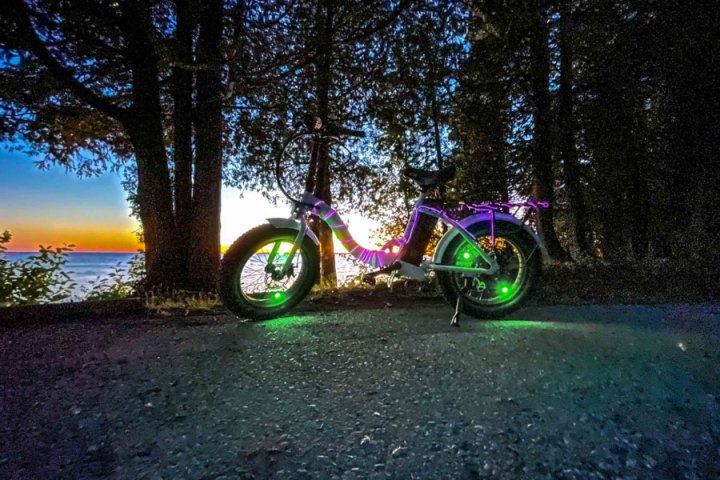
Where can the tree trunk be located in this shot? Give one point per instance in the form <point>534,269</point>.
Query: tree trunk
<point>322,180</point>
<point>182,85</point>
<point>640,229</point>
<point>164,261</point>
<point>437,143</point>
<point>542,155</point>
<point>204,261</point>
<point>568,148</point>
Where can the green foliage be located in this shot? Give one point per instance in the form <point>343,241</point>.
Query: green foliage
<point>42,278</point>
<point>37,279</point>
<point>120,283</point>
<point>647,281</point>
<point>431,81</point>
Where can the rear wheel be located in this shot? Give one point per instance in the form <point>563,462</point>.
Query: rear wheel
<point>485,296</point>
<point>251,281</point>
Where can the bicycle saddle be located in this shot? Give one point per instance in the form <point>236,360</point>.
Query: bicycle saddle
<point>430,178</point>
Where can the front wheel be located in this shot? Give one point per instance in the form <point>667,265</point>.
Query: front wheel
<point>485,296</point>
<point>252,282</point>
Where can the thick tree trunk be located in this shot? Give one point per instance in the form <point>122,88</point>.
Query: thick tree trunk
<point>325,235</point>
<point>204,261</point>
<point>640,229</point>
<point>164,261</point>
<point>182,91</point>
<point>542,155</point>
<point>568,148</point>
<point>323,74</point>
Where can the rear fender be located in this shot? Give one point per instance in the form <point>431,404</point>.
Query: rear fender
<point>467,222</point>
<point>294,224</point>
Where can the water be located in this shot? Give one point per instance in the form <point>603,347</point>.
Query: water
<point>85,268</point>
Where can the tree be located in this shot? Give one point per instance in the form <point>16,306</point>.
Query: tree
<point>542,157</point>
<point>326,55</point>
<point>568,130</point>
<point>483,117</point>
<point>87,77</point>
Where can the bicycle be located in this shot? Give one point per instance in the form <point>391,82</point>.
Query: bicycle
<point>487,263</point>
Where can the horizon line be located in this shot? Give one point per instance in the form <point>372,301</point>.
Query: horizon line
<point>76,251</point>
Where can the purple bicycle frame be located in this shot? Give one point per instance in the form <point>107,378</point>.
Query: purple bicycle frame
<point>389,254</point>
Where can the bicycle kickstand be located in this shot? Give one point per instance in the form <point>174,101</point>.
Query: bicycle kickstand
<point>455,321</point>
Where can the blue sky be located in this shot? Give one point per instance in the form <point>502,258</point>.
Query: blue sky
<point>53,207</point>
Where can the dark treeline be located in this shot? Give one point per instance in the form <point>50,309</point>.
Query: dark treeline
<point>607,108</point>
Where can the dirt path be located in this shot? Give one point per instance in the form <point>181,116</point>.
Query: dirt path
<point>562,392</point>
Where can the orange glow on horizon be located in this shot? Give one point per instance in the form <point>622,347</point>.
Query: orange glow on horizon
<point>89,239</point>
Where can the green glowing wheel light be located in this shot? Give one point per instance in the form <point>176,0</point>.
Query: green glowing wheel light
<point>466,255</point>
<point>505,290</point>
<point>278,298</point>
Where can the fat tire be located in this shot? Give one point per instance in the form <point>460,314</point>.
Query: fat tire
<point>239,253</point>
<point>530,250</point>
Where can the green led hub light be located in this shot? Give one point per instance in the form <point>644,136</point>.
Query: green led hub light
<point>276,298</point>
<point>506,291</point>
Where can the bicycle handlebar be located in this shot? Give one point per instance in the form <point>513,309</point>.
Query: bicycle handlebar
<point>328,130</point>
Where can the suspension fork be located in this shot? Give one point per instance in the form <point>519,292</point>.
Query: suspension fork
<point>299,238</point>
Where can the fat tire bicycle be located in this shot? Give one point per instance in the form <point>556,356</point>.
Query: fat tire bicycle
<point>487,263</point>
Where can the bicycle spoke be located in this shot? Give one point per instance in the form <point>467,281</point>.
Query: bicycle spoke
<point>256,278</point>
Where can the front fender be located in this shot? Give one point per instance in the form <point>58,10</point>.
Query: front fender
<point>466,222</point>
<point>294,224</point>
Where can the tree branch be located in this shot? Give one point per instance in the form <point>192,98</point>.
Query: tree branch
<point>360,34</point>
<point>58,72</point>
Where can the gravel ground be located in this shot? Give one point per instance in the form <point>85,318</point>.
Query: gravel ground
<point>560,392</point>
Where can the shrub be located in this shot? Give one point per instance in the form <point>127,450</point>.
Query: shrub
<point>120,283</point>
<point>37,279</point>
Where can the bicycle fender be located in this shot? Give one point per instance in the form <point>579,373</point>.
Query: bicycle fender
<point>479,218</point>
<point>294,224</point>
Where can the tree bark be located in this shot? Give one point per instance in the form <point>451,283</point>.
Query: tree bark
<point>164,261</point>
<point>182,91</point>
<point>204,261</point>
<point>568,148</point>
<point>323,74</point>
<point>542,154</point>
<point>640,229</point>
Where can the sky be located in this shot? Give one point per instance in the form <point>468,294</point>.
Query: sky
<point>54,207</point>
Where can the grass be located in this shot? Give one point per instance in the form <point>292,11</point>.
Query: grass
<point>176,301</point>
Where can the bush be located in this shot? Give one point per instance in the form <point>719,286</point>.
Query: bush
<point>37,279</point>
<point>651,281</point>
<point>118,284</point>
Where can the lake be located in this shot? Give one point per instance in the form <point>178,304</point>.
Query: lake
<point>85,268</point>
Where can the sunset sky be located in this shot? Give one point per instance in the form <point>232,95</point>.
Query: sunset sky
<point>54,207</point>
